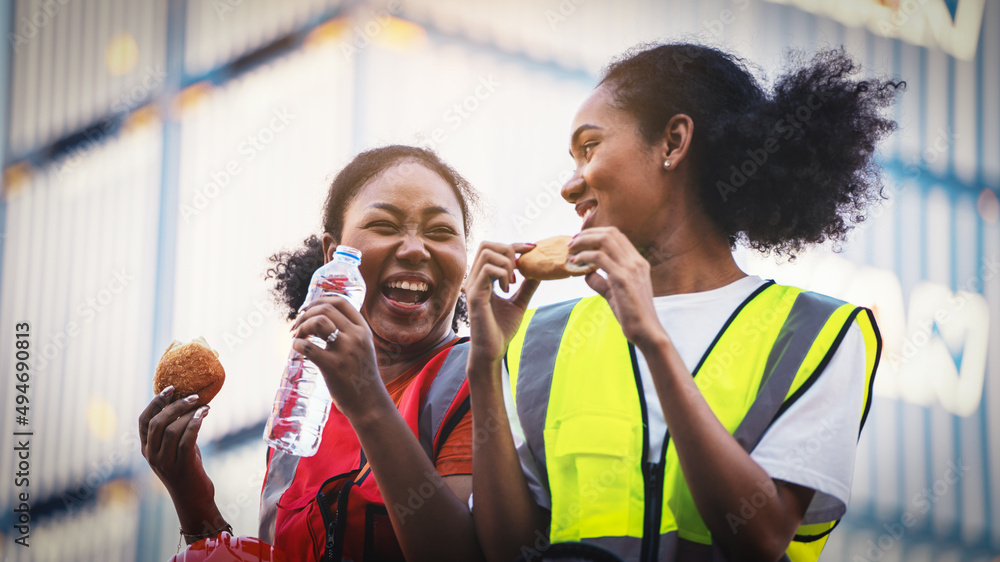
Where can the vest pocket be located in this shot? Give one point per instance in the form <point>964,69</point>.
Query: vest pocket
<point>593,463</point>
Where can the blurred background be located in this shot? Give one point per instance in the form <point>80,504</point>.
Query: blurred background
<point>156,152</point>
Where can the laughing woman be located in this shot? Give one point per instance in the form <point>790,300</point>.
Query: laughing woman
<point>667,417</point>
<point>396,372</point>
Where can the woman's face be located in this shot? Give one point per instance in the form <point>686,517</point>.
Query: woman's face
<point>619,176</point>
<point>408,224</point>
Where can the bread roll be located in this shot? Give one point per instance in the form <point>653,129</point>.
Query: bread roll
<point>193,368</point>
<point>549,259</point>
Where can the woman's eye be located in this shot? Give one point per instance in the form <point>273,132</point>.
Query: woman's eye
<point>382,226</point>
<point>588,148</point>
<point>441,232</point>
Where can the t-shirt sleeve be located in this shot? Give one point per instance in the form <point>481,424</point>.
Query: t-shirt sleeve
<point>813,444</point>
<point>455,456</point>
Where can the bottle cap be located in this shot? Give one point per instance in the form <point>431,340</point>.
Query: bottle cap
<point>351,254</point>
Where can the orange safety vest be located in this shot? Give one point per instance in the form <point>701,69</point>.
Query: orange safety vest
<point>328,506</point>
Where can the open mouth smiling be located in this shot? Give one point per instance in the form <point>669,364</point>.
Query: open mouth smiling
<point>407,291</point>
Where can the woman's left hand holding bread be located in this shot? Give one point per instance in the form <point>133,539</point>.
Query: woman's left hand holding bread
<point>168,433</point>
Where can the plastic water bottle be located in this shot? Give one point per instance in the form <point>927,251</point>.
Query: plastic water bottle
<point>303,402</point>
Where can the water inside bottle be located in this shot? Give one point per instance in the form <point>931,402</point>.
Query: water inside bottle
<point>303,402</point>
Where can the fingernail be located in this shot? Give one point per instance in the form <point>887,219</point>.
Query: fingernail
<point>166,392</point>
<point>513,277</point>
<point>532,244</point>
<point>201,413</point>
<point>191,399</point>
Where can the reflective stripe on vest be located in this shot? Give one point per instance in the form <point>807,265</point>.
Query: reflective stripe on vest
<point>579,397</point>
<point>449,387</point>
<point>442,400</point>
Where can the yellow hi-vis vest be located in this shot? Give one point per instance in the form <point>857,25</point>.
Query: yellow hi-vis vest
<point>578,393</point>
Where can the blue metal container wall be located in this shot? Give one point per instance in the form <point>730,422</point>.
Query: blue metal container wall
<point>85,200</point>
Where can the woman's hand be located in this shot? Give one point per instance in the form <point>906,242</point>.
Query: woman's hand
<point>348,364</point>
<point>168,432</point>
<point>493,319</point>
<point>627,288</point>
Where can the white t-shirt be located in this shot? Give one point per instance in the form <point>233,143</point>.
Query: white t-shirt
<point>812,444</point>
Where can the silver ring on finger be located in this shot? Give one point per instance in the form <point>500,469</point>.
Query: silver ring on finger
<point>333,335</point>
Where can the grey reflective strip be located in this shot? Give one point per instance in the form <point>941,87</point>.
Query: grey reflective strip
<point>441,394</point>
<point>809,314</point>
<point>534,377</point>
<point>280,472</point>
<point>672,549</point>
<point>626,548</point>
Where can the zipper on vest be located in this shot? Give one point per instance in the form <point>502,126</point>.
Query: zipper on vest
<point>652,482</point>
<point>653,501</point>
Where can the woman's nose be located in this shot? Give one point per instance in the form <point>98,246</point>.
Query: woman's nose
<point>413,250</point>
<point>573,189</point>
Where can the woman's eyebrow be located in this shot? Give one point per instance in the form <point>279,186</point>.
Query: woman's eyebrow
<point>390,208</point>
<point>437,210</point>
<point>576,135</point>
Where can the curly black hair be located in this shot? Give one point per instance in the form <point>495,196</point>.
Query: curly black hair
<point>777,171</point>
<point>292,269</point>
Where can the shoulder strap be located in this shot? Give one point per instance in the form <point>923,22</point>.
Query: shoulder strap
<point>534,380</point>
<point>808,315</point>
<point>444,397</point>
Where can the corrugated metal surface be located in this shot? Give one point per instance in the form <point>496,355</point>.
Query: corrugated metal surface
<point>255,155</point>
<point>222,31</point>
<point>493,86</point>
<point>79,246</point>
<point>80,64</point>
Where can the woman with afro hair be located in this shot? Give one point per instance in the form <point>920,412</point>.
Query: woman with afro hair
<point>688,411</point>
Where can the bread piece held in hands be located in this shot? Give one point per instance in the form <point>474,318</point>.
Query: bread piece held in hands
<point>193,368</point>
<point>549,259</point>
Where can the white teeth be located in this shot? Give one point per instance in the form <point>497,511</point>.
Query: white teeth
<point>588,212</point>
<point>408,286</point>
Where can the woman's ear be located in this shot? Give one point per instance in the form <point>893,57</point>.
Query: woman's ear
<point>329,247</point>
<point>676,140</point>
